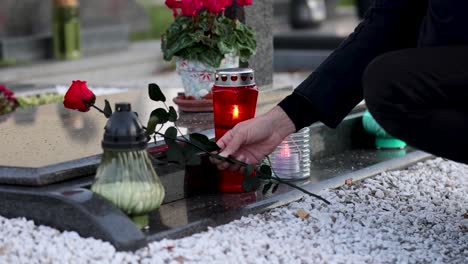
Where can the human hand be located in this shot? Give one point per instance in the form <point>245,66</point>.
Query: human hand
<point>250,141</point>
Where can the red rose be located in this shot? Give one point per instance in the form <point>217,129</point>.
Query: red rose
<point>244,2</point>
<point>79,97</point>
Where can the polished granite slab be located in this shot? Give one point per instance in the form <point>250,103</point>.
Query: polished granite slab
<point>51,134</point>
<point>49,143</point>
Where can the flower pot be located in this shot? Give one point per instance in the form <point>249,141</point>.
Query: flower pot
<point>198,77</point>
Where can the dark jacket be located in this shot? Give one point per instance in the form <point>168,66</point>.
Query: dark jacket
<point>335,87</point>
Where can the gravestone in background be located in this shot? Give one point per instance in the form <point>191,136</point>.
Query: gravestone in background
<point>259,16</point>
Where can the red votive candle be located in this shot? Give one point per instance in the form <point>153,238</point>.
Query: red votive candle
<point>234,100</point>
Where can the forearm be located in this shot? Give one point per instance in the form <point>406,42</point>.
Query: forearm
<point>334,88</point>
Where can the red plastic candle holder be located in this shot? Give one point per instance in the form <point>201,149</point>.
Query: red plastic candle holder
<point>234,100</point>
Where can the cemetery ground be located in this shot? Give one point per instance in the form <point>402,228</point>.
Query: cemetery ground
<point>402,206</point>
<point>417,215</point>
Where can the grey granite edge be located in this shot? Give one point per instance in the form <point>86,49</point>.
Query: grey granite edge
<point>9,174</point>
<point>81,210</point>
<point>68,170</point>
<point>46,175</point>
<point>183,231</point>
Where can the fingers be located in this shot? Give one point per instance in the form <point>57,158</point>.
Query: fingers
<point>229,145</point>
<point>236,167</point>
<point>234,143</point>
<point>221,143</point>
<point>223,165</point>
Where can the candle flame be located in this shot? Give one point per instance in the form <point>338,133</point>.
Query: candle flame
<point>235,112</point>
<point>285,151</point>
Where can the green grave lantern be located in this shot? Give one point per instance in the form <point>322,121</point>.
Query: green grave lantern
<point>126,176</point>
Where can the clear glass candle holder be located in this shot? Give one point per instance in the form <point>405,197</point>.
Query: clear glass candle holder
<point>291,159</point>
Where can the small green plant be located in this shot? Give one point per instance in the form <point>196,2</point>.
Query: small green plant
<point>207,38</point>
<point>202,32</point>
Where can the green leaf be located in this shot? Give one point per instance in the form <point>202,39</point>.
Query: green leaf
<point>107,109</point>
<point>161,114</point>
<point>151,127</point>
<point>172,114</point>
<point>155,93</point>
<point>275,188</point>
<point>249,169</point>
<point>251,183</point>
<point>203,142</point>
<point>266,188</point>
<point>264,171</point>
<point>212,146</point>
<point>158,116</point>
<point>170,135</point>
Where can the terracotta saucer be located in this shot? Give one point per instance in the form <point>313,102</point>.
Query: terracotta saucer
<point>193,105</point>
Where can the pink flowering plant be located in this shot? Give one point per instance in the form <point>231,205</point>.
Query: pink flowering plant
<point>202,32</point>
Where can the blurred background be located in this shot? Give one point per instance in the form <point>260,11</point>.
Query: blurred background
<point>120,40</point>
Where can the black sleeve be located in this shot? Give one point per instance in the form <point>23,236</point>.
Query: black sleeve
<point>335,87</point>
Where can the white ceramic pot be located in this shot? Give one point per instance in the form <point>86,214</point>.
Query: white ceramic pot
<point>198,77</point>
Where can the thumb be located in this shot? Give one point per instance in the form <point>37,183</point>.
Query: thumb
<point>231,143</point>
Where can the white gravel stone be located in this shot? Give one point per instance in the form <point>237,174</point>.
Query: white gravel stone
<point>410,216</point>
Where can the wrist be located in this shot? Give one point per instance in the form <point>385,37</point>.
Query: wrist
<point>281,121</point>
<point>299,110</point>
